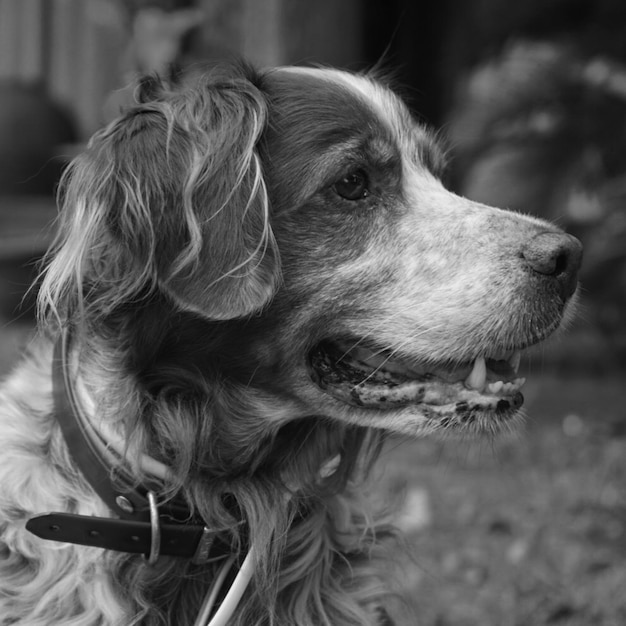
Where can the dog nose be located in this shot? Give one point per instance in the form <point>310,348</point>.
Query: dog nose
<point>557,255</point>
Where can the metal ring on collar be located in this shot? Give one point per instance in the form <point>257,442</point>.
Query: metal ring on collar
<point>155,530</point>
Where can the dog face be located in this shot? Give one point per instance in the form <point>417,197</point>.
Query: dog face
<point>299,215</point>
<point>410,302</point>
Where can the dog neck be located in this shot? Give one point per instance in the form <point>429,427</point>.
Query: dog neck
<point>111,468</point>
<point>99,453</point>
<point>100,458</point>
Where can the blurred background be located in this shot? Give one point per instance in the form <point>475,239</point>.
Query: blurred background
<point>531,97</point>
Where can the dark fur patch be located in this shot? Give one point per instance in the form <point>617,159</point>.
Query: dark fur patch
<point>317,127</point>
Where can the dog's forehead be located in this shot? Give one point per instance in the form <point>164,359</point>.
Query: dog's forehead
<point>346,101</point>
<point>320,118</point>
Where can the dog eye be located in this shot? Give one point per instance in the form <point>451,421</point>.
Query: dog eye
<point>354,186</point>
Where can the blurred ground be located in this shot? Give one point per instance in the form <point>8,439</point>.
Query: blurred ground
<point>525,532</point>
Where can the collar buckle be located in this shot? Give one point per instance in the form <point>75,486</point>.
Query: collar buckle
<point>203,549</point>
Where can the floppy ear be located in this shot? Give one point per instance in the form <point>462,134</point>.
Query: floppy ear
<point>172,196</point>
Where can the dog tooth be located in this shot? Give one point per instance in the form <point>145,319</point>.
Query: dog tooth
<point>478,375</point>
<point>515,359</point>
<point>495,387</point>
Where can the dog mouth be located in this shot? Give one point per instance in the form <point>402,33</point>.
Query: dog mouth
<point>366,377</point>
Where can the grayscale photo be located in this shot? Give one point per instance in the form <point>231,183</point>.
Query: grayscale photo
<point>312,313</point>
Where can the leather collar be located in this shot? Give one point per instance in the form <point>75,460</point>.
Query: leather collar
<point>143,526</point>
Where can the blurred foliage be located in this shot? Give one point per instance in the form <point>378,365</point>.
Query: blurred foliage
<point>480,28</point>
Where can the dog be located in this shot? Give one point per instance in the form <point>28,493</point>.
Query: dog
<point>258,276</point>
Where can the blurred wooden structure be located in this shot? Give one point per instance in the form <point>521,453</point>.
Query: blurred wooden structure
<point>70,47</point>
<point>78,49</point>
<point>25,226</point>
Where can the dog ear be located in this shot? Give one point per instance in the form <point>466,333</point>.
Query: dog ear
<point>172,195</point>
<point>228,265</point>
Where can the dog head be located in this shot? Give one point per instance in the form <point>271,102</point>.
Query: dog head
<point>287,232</point>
